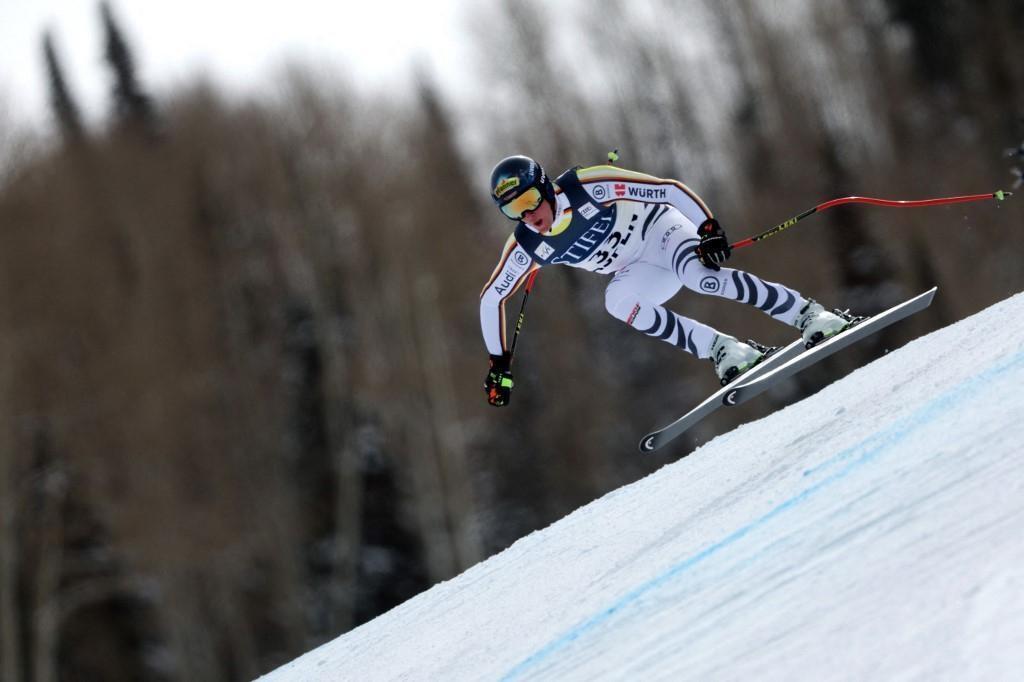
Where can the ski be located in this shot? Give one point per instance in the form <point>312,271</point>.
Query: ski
<point>781,364</point>
<point>765,380</point>
<point>654,440</point>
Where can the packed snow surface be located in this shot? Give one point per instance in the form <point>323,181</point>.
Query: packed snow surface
<point>874,531</point>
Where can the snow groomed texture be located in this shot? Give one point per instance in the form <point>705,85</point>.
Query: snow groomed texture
<point>870,531</point>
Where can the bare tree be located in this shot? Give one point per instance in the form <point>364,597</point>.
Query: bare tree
<point>10,504</point>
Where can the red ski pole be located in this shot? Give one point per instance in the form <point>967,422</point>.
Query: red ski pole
<point>998,195</point>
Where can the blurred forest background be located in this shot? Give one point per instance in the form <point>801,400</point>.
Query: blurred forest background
<point>241,405</point>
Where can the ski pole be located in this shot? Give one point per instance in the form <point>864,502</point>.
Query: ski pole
<point>998,195</point>
<point>522,314</point>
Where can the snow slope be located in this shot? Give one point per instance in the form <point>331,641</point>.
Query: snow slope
<point>873,531</point>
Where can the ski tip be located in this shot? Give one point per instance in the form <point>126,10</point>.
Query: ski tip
<point>649,443</point>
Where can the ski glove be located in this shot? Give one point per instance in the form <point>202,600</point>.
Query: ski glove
<point>714,247</point>
<point>498,384</point>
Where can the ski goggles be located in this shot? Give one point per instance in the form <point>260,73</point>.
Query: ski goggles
<point>525,202</point>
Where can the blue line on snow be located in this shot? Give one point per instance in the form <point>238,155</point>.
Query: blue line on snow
<point>856,455</point>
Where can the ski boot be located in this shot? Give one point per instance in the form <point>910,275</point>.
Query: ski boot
<point>732,358</point>
<point>817,324</point>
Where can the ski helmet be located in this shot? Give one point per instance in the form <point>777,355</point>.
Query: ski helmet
<point>518,185</point>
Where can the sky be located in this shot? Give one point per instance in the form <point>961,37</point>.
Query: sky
<point>238,43</point>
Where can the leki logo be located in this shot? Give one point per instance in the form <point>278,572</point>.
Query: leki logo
<point>620,189</point>
<point>505,185</point>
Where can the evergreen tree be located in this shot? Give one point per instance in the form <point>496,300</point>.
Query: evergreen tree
<point>132,106</point>
<point>65,110</point>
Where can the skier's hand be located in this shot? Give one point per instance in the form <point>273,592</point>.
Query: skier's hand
<point>498,384</point>
<point>714,247</point>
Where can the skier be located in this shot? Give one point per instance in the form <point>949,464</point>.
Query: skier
<point>653,236</point>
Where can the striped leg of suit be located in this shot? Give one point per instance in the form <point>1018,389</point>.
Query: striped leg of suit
<point>635,295</point>
<point>661,323</point>
<point>776,300</point>
<point>667,263</point>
